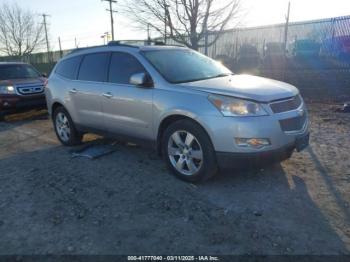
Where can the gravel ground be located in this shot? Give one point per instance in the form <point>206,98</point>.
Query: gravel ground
<point>128,203</point>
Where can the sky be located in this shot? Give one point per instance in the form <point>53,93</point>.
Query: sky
<point>87,20</point>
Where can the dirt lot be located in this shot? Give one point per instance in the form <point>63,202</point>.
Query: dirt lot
<point>128,203</point>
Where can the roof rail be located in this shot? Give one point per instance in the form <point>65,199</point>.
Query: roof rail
<point>84,48</point>
<point>138,43</point>
<point>123,43</point>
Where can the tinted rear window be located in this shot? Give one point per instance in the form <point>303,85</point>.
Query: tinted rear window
<point>17,72</point>
<point>93,67</point>
<point>68,68</point>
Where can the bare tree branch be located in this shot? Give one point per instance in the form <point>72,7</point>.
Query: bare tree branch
<point>188,21</point>
<point>20,32</point>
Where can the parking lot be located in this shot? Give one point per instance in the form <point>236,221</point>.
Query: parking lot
<point>128,203</point>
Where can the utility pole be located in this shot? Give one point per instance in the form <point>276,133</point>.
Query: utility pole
<point>206,36</point>
<point>46,37</point>
<point>165,28</point>
<point>285,44</point>
<point>286,29</point>
<point>104,39</point>
<point>165,20</point>
<point>148,34</point>
<point>111,11</point>
<point>59,44</point>
<point>105,36</point>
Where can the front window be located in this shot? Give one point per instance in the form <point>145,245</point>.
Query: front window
<point>122,67</point>
<point>8,72</point>
<point>181,66</point>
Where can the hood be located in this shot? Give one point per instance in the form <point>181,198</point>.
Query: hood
<point>245,86</point>
<point>24,81</point>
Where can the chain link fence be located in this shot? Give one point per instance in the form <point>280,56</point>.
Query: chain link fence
<point>328,37</point>
<point>315,56</point>
<point>44,62</point>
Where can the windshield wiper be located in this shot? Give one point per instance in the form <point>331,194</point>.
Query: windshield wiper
<point>204,78</point>
<point>222,75</point>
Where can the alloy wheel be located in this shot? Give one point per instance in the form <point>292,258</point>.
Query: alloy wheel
<point>63,127</point>
<point>185,152</point>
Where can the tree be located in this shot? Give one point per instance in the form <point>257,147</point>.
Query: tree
<point>188,21</point>
<point>20,32</point>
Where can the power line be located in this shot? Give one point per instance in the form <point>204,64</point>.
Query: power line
<point>111,11</point>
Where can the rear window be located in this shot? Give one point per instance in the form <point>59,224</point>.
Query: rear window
<point>17,72</point>
<point>68,68</point>
<point>94,67</point>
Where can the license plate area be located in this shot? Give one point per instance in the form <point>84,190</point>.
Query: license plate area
<point>302,142</point>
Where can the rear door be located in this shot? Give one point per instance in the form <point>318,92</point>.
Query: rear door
<point>88,89</point>
<point>128,108</point>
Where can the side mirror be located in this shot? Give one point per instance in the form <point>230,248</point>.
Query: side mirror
<point>141,79</point>
<point>44,75</point>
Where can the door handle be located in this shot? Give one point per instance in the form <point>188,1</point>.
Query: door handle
<point>73,91</point>
<point>107,95</point>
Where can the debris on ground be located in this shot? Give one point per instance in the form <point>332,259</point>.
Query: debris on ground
<point>94,151</point>
<point>257,213</point>
<point>344,109</point>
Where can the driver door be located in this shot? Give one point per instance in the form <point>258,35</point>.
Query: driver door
<point>127,108</point>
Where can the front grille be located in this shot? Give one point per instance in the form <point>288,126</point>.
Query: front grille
<point>286,105</point>
<point>30,89</point>
<point>293,124</point>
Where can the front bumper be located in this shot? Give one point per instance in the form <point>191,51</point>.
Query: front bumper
<point>224,130</point>
<point>254,159</point>
<point>14,103</point>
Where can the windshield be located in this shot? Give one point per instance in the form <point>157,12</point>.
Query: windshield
<point>17,72</point>
<point>180,66</point>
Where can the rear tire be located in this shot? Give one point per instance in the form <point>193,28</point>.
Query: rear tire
<point>188,151</point>
<point>65,128</point>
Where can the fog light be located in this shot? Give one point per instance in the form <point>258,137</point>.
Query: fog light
<point>252,142</point>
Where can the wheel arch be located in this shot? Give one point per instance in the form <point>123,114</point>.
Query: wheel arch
<point>54,106</point>
<point>168,120</point>
<point>57,104</point>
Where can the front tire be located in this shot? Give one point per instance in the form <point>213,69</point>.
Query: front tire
<point>65,129</point>
<point>188,151</point>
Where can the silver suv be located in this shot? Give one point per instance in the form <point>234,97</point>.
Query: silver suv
<point>193,110</point>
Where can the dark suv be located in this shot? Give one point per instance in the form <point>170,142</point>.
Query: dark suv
<point>21,87</point>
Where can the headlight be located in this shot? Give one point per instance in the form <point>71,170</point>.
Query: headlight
<point>7,90</point>
<point>230,106</point>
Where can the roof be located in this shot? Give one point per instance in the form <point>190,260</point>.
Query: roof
<point>118,46</point>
